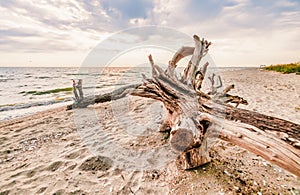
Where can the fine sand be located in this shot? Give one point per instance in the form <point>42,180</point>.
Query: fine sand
<point>114,148</point>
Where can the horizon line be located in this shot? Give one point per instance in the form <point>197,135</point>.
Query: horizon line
<point>232,66</point>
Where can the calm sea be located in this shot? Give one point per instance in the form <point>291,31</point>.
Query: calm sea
<point>28,90</point>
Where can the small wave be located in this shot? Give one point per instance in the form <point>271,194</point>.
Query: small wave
<point>67,89</point>
<point>110,85</point>
<point>8,107</point>
<point>74,74</point>
<point>5,80</point>
<point>98,74</point>
<point>45,77</point>
<point>114,74</point>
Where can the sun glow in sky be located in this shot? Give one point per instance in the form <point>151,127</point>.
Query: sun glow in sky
<point>64,32</point>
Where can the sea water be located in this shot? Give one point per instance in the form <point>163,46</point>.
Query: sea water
<point>27,90</point>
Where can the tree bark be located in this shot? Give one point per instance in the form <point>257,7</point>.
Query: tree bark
<point>283,129</point>
<point>106,97</point>
<point>194,116</point>
<point>197,119</point>
<point>258,142</point>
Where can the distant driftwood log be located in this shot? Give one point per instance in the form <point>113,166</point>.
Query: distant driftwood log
<point>209,114</point>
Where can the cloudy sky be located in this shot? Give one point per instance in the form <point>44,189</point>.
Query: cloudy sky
<point>64,32</point>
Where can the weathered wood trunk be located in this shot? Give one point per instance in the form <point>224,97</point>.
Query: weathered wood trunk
<point>193,116</point>
<point>89,100</point>
<point>283,129</point>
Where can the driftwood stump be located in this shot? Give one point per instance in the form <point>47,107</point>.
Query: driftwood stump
<point>193,116</point>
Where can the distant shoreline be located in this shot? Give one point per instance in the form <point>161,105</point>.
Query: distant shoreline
<point>147,66</point>
<point>284,68</point>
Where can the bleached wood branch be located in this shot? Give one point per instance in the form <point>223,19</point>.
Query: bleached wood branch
<point>191,119</point>
<point>193,116</point>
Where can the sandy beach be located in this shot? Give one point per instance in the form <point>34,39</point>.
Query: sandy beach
<point>115,148</point>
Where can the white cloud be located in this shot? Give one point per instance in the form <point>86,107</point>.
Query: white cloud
<point>239,29</point>
<point>244,33</point>
<point>285,3</point>
<point>51,26</point>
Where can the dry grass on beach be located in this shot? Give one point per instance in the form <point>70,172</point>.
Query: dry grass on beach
<point>53,151</point>
<point>285,68</point>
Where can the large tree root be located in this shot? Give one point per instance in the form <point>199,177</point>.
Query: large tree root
<point>193,116</point>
